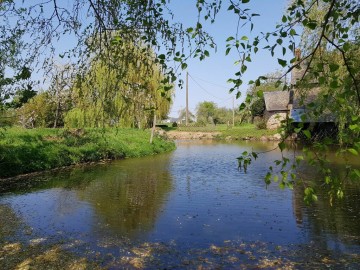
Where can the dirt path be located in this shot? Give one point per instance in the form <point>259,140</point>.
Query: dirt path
<point>185,135</point>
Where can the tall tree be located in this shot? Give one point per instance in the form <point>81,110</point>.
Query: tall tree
<point>128,95</point>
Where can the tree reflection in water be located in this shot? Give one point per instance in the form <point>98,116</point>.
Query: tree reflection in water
<point>129,198</point>
<point>188,209</point>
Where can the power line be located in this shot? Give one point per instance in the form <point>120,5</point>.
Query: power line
<point>224,101</point>
<point>205,89</point>
<point>222,86</point>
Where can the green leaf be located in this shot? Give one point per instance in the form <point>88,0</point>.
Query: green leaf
<point>282,62</point>
<point>312,25</point>
<point>229,39</point>
<point>308,191</point>
<point>354,127</point>
<point>242,106</point>
<point>334,84</point>
<point>346,46</point>
<point>260,93</point>
<point>307,133</point>
<point>268,178</point>
<point>284,19</point>
<point>282,146</point>
<point>245,1</point>
<point>340,194</point>
<point>357,172</point>
<point>244,38</point>
<point>353,151</point>
<point>322,80</point>
<point>183,66</point>
<point>282,185</point>
<point>190,30</point>
<point>334,67</point>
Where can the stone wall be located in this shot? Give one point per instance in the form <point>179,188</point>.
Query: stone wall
<point>273,119</point>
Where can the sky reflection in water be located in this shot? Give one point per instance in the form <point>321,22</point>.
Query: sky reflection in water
<point>194,197</point>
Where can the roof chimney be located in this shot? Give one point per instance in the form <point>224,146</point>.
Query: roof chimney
<point>298,54</point>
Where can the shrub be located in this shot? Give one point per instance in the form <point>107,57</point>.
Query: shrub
<point>260,124</point>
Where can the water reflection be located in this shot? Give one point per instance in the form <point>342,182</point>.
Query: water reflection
<point>335,227</point>
<point>193,198</point>
<point>125,197</point>
<point>129,197</point>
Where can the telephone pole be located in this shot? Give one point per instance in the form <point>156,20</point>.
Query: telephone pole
<point>187,99</point>
<point>233,124</point>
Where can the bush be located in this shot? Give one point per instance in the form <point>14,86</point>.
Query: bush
<point>174,124</point>
<point>260,124</point>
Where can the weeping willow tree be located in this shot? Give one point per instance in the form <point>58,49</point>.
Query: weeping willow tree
<point>125,89</point>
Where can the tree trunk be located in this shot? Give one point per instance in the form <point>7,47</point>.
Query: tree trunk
<point>153,129</point>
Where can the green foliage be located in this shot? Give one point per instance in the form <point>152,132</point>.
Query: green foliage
<point>257,108</point>
<point>24,151</point>
<point>254,102</point>
<point>21,97</point>
<point>37,112</point>
<point>260,124</point>
<point>122,94</point>
<point>43,110</point>
<point>206,111</point>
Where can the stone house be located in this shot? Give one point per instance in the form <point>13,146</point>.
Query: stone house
<point>277,107</point>
<point>293,103</point>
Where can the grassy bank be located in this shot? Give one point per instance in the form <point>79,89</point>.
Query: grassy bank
<point>30,150</point>
<point>238,132</point>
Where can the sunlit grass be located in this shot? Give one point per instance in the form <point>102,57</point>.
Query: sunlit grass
<point>29,150</point>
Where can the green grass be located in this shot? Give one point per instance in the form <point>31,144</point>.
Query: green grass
<point>29,150</point>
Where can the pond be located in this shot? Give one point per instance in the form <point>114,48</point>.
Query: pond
<point>191,208</point>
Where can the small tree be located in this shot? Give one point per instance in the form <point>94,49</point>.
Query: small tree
<point>206,111</point>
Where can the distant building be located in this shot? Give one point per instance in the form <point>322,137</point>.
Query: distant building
<point>277,107</point>
<point>293,103</point>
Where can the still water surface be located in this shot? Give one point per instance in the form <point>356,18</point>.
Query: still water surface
<point>186,209</point>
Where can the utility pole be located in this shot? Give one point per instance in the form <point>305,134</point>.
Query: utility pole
<point>233,124</point>
<point>187,99</point>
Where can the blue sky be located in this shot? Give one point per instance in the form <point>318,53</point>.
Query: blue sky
<point>208,78</point>
<point>208,81</point>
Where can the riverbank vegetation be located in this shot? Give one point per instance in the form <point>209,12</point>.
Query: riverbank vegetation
<point>29,150</point>
<point>122,68</point>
